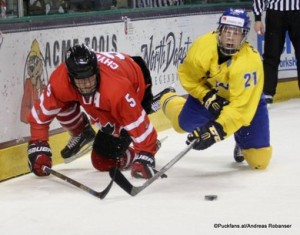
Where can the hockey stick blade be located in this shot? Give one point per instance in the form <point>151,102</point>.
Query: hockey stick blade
<point>100,195</point>
<point>132,190</point>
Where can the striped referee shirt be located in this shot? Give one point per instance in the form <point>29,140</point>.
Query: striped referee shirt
<point>278,5</point>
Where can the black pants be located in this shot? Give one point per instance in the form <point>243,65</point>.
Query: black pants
<point>277,24</point>
<point>148,97</point>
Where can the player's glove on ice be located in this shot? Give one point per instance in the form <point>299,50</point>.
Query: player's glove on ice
<point>211,133</point>
<point>143,166</point>
<point>214,103</point>
<point>39,154</point>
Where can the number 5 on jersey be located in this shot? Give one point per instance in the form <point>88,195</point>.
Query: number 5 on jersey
<point>130,100</point>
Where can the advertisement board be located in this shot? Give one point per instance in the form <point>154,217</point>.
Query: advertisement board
<point>27,59</point>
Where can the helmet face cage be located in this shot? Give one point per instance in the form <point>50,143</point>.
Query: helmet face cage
<point>234,25</point>
<point>82,63</point>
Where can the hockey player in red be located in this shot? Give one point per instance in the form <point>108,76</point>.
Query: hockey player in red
<point>114,89</point>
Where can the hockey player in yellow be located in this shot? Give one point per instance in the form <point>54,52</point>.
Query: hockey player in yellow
<point>223,76</point>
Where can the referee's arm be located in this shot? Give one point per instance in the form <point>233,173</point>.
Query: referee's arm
<point>258,8</point>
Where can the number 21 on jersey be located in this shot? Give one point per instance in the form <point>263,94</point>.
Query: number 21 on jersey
<point>250,79</point>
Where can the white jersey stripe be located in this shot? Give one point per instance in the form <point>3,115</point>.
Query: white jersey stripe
<point>36,117</point>
<point>68,112</point>
<point>142,137</point>
<point>135,124</point>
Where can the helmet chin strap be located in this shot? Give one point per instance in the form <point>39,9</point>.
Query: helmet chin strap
<point>88,94</point>
<point>225,50</point>
<point>228,51</point>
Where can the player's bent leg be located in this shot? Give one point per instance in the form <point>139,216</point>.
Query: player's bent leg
<point>78,126</point>
<point>110,151</point>
<point>76,143</point>
<point>71,119</point>
<point>101,162</point>
<point>254,138</point>
<point>172,104</point>
<point>105,163</point>
<point>258,158</point>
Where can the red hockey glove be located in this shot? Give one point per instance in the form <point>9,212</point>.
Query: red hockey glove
<point>39,154</point>
<point>211,133</point>
<point>143,166</point>
<point>214,103</point>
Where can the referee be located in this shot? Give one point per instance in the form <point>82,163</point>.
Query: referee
<point>281,16</point>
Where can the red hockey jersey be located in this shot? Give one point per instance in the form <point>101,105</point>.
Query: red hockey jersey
<point>116,104</point>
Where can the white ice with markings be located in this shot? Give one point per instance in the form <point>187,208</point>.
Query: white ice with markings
<point>176,205</point>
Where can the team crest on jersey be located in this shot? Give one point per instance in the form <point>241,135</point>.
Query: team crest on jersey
<point>108,128</point>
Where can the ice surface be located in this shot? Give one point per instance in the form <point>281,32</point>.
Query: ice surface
<point>32,205</point>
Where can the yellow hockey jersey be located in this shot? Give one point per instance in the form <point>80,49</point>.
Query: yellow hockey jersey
<point>239,80</point>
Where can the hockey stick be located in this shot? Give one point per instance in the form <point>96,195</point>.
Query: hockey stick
<point>156,99</point>
<point>121,180</point>
<point>100,195</point>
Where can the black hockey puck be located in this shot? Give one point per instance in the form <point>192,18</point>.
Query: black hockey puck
<point>211,197</point>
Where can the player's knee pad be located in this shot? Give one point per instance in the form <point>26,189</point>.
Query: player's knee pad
<point>258,158</point>
<point>101,162</point>
<point>105,163</point>
<point>172,105</point>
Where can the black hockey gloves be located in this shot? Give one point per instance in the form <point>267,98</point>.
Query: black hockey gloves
<point>143,166</point>
<point>39,154</point>
<point>211,133</point>
<point>214,103</point>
